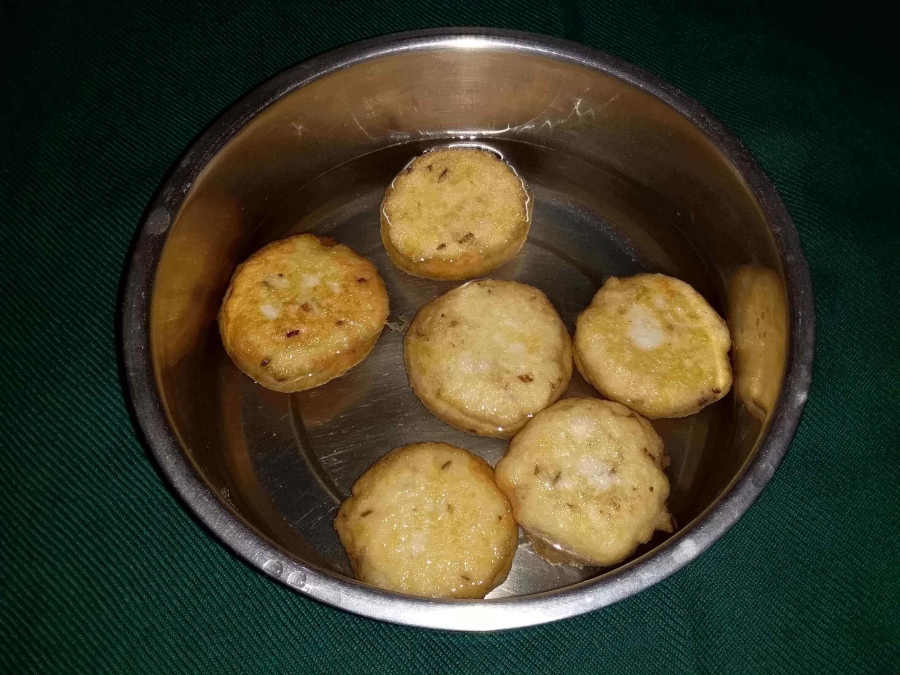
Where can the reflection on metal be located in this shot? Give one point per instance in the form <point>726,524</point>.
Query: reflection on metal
<point>757,316</point>
<point>209,231</point>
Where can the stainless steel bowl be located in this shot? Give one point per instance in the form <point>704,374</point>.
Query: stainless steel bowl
<point>628,174</point>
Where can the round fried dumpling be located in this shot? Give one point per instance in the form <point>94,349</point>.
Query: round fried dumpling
<point>455,213</point>
<point>654,344</point>
<point>428,519</point>
<point>302,311</point>
<point>585,478</point>
<point>488,355</point>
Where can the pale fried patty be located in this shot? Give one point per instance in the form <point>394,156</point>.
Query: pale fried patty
<point>585,479</point>
<point>455,213</point>
<point>302,311</point>
<point>653,343</point>
<point>488,355</point>
<point>428,519</point>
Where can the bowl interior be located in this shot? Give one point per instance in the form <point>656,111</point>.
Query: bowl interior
<point>623,183</point>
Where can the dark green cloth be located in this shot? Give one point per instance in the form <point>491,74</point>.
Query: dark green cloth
<point>100,568</point>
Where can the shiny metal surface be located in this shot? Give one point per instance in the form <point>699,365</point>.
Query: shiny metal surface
<point>628,175</point>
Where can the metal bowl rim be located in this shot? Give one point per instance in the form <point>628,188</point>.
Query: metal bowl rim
<point>497,614</point>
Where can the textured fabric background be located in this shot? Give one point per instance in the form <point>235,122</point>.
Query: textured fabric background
<point>102,571</point>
